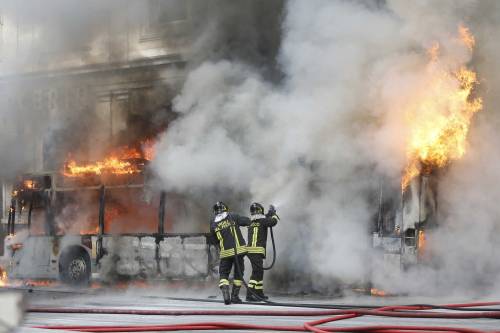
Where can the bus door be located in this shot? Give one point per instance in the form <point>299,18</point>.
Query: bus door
<point>33,259</point>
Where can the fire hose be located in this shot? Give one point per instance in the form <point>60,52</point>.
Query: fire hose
<point>406,311</point>
<point>274,251</point>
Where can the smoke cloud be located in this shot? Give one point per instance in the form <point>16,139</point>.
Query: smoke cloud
<point>318,140</point>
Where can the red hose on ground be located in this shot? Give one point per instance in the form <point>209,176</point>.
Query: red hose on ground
<point>307,327</point>
<point>335,315</point>
<point>390,311</point>
<point>392,329</point>
<point>279,313</point>
<point>386,312</point>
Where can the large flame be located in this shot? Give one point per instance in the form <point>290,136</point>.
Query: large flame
<point>441,115</point>
<point>3,278</point>
<point>111,164</point>
<point>119,162</point>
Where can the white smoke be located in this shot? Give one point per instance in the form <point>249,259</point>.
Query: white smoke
<point>301,143</point>
<point>318,141</point>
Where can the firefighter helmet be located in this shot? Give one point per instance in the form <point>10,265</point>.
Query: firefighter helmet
<point>220,207</point>
<point>256,208</point>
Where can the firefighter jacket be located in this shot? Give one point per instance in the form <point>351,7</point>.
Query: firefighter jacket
<point>225,228</point>
<point>257,232</point>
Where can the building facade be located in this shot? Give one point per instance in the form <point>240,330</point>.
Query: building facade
<point>106,82</point>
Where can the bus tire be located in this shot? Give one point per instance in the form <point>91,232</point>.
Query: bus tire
<point>75,266</point>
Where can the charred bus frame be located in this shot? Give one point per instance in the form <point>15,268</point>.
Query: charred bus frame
<point>42,189</point>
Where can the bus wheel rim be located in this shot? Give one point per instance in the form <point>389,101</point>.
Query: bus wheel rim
<point>77,268</point>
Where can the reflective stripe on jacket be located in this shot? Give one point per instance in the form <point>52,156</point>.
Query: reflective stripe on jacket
<point>225,228</point>
<point>257,233</point>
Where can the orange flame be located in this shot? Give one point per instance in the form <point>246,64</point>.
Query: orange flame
<point>466,37</point>
<point>421,244</point>
<point>148,149</point>
<point>39,283</point>
<point>440,118</point>
<point>3,279</point>
<point>433,52</point>
<point>110,164</point>
<point>377,292</point>
<point>29,184</point>
<point>118,163</point>
<point>90,230</point>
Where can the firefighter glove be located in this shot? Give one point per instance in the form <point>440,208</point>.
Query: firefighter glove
<point>271,211</point>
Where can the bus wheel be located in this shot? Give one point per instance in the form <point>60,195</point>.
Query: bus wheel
<point>74,267</point>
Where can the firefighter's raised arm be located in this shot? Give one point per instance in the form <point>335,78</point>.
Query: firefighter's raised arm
<point>271,217</point>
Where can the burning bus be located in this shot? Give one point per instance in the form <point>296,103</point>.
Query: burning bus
<point>439,118</point>
<point>404,221</point>
<point>104,218</point>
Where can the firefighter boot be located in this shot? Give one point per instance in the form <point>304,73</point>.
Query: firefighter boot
<point>235,298</point>
<point>261,295</point>
<point>251,295</point>
<point>225,294</point>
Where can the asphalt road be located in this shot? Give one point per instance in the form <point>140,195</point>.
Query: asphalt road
<point>145,298</point>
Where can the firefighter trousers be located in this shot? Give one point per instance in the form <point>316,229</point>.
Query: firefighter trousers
<point>225,266</point>
<point>257,277</point>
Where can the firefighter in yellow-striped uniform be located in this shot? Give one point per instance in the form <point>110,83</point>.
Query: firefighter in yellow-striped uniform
<point>225,229</point>
<point>256,248</point>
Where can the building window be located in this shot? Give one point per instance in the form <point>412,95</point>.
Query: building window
<point>163,18</point>
<point>165,11</point>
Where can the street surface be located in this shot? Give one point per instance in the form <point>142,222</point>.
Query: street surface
<point>157,299</point>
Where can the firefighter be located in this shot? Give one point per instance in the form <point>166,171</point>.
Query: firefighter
<point>225,228</point>
<point>256,248</point>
